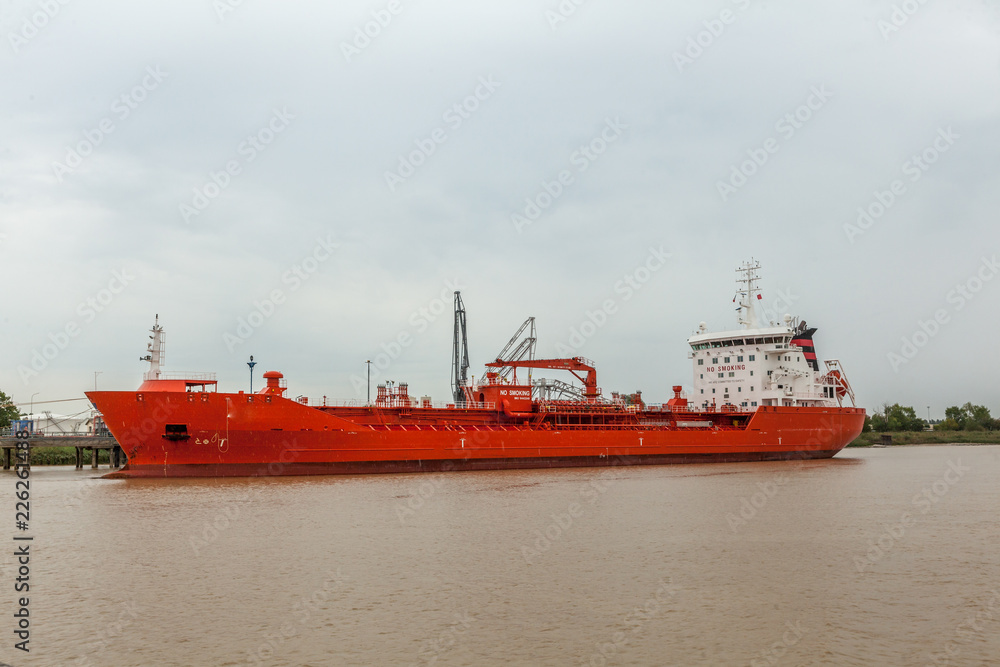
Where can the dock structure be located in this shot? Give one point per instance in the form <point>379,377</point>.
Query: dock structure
<point>81,443</point>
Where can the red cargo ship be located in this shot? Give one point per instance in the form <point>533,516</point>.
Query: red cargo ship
<point>759,395</point>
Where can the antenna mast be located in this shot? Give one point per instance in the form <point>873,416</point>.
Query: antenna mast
<point>747,277</point>
<point>154,350</point>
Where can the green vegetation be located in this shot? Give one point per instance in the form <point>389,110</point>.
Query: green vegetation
<point>62,456</point>
<point>895,418</point>
<point>968,423</point>
<point>930,438</point>
<point>969,417</point>
<point>8,411</point>
<point>891,418</point>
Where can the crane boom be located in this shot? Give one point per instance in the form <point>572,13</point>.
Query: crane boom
<point>460,353</point>
<point>518,348</point>
<point>574,365</point>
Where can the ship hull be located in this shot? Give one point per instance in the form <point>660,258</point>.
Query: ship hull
<point>447,465</point>
<point>185,434</point>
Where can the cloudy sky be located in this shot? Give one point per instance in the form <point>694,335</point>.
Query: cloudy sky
<point>308,182</point>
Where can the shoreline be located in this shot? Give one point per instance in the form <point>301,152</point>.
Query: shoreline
<point>929,438</point>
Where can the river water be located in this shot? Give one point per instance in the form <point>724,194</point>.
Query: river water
<point>878,556</point>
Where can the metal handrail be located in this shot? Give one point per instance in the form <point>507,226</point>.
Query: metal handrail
<point>191,377</point>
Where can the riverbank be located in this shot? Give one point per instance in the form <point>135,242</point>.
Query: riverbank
<point>930,438</point>
<point>63,456</point>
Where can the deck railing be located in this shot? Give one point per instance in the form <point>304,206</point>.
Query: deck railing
<point>190,377</point>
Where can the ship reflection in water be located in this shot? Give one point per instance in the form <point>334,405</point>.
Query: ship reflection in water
<point>883,556</point>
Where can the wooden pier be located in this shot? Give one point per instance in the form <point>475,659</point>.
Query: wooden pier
<point>80,442</point>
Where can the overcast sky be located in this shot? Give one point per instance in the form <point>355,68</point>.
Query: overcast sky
<point>194,159</point>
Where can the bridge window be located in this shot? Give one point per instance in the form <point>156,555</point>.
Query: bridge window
<point>753,358</point>
<point>715,360</point>
<point>701,362</point>
<point>725,360</point>
<point>739,359</point>
<point>731,374</point>
<point>722,375</point>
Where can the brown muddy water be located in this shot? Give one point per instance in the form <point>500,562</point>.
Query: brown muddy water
<point>876,557</point>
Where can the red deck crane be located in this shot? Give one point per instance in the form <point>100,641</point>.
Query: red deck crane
<point>582,364</point>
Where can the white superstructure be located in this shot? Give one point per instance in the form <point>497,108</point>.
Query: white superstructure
<point>762,365</point>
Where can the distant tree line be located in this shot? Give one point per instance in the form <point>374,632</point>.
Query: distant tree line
<point>969,417</point>
<point>898,417</point>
